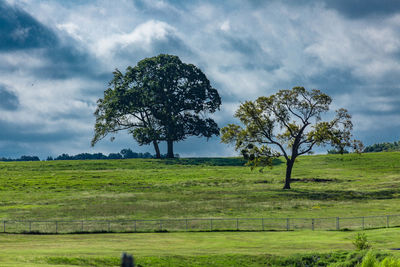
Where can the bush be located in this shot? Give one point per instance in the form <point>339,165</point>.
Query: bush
<point>361,242</point>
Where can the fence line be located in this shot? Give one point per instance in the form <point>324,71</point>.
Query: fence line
<point>200,224</point>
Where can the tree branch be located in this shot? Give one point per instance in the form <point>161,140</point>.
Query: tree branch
<point>266,135</point>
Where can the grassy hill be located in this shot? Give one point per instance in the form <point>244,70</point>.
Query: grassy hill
<point>324,185</point>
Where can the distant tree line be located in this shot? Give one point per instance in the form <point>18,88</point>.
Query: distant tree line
<point>126,153</point>
<point>22,158</point>
<point>379,147</point>
<point>337,151</point>
<point>383,147</point>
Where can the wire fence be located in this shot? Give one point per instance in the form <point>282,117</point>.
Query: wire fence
<point>211,224</point>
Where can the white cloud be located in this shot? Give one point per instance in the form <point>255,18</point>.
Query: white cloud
<point>71,29</point>
<point>226,26</point>
<point>142,36</point>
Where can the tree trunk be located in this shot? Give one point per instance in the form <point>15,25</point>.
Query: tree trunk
<point>289,167</point>
<point>170,153</point>
<point>157,149</point>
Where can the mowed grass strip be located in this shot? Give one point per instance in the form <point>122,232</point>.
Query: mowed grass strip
<point>324,186</point>
<point>157,249</point>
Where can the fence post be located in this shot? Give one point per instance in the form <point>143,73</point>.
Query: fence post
<point>337,223</point>
<point>211,226</point>
<point>312,224</point>
<point>237,224</point>
<point>262,223</point>
<point>387,221</point>
<point>287,224</point>
<point>186,225</point>
<point>56,227</point>
<point>135,225</point>
<point>363,223</point>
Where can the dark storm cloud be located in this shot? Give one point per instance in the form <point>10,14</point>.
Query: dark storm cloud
<point>172,45</point>
<point>247,46</point>
<point>8,99</point>
<point>15,150</point>
<point>374,136</point>
<point>32,133</point>
<point>254,57</point>
<point>354,9</point>
<point>334,81</point>
<point>381,102</point>
<point>363,8</point>
<point>19,30</point>
<point>65,62</point>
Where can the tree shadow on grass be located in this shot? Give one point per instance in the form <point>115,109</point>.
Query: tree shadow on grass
<point>338,195</point>
<point>238,161</point>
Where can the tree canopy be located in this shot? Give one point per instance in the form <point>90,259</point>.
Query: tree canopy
<point>289,124</point>
<point>160,99</point>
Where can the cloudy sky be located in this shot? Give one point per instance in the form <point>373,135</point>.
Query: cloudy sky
<point>56,58</point>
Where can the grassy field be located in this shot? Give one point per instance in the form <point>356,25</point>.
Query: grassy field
<point>325,186</point>
<point>186,249</point>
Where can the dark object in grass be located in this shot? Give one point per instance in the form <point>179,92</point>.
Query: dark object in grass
<point>262,182</point>
<point>127,260</point>
<point>161,231</point>
<point>35,232</point>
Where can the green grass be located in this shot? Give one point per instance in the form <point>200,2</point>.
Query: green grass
<point>188,249</point>
<point>325,186</point>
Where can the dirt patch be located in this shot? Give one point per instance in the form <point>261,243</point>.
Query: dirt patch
<point>262,182</point>
<point>316,180</point>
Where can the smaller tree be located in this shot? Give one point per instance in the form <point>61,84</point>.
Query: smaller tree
<point>287,124</point>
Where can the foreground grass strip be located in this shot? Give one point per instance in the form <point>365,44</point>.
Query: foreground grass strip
<point>309,259</point>
<point>38,250</point>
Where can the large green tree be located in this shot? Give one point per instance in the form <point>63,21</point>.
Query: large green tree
<point>180,97</point>
<point>287,124</point>
<point>160,99</point>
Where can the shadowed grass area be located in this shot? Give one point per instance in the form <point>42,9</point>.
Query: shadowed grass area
<point>324,186</point>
